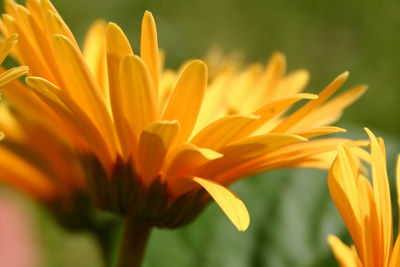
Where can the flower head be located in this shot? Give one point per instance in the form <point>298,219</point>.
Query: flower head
<point>365,207</point>
<point>149,138</point>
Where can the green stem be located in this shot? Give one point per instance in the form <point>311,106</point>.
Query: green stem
<point>134,243</point>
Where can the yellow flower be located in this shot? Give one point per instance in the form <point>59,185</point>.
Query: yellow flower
<point>365,208</point>
<point>149,138</point>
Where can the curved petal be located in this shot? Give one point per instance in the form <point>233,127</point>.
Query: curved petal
<point>230,203</point>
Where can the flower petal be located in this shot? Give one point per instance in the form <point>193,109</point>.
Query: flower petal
<point>83,88</point>
<point>94,52</point>
<point>300,114</point>
<point>7,45</point>
<point>155,142</point>
<point>149,48</point>
<point>398,183</point>
<point>117,46</point>
<point>347,257</point>
<point>272,109</point>
<point>138,93</point>
<point>187,97</point>
<point>230,204</point>
<point>185,159</point>
<point>12,74</point>
<point>242,151</point>
<point>18,172</point>
<point>382,193</point>
<point>318,131</point>
<point>76,120</point>
<point>331,111</point>
<point>222,131</point>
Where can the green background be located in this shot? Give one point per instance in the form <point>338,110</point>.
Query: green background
<point>291,210</point>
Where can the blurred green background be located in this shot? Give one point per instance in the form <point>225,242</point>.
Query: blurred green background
<point>291,211</point>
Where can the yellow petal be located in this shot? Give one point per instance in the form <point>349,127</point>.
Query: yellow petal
<point>302,154</point>
<point>345,196</point>
<point>230,203</point>
<point>371,251</point>
<point>395,258</point>
<point>7,45</point>
<point>12,74</point>
<point>138,93</point>
<point>331,111</point>
<point>294,83</point>
<point>55,25</point>
<point>382,193</point>
<point>83,88</point>
<point>30,103</point>
<point>36,11</point>
<point>296,117</point>
<point>398,182</point>
<point>149,47</point>
<point>185,159</point>
<point>54,22</point>
<point>72,116</point>
<point>267,86</point>
<point>348,176</point>
<point>222,131</point>
<point>117,46</point>
<point>318,131</point>
<point>155,142</point>
<point>345,256</point>
<point>271,110</point>
<point>94,52</point>
<point>28,51</point>
<point>19,173</point>
<point>187,97</point>
<point>242,151</point>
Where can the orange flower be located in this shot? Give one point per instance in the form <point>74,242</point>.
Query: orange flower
<point>149,139</point>
<point>365,208</point>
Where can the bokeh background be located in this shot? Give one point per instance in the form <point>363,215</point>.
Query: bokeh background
<point>291,210</point>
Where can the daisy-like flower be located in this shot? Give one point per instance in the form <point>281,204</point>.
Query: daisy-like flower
<point>149,139</point>
<point>365,207</point>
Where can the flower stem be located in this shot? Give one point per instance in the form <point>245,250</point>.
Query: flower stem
<point>134,243</point>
